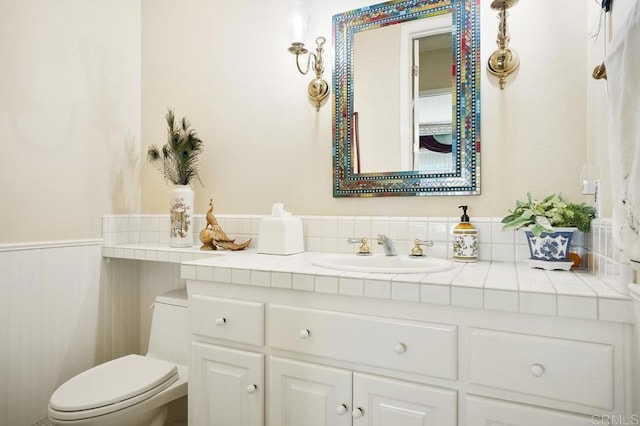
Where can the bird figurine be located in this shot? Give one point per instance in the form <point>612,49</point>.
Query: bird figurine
<point>213,237</point>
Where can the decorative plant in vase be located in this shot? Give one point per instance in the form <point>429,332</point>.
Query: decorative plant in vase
<point>178,162</point>
<point>550,223</point>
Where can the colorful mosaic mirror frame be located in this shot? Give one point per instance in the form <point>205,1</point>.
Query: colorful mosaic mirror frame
<point>465,179</point>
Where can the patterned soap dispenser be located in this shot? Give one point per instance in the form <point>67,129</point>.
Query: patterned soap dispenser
<point>465,239</point>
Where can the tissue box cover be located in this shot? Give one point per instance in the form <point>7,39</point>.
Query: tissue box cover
<point>281,235</point>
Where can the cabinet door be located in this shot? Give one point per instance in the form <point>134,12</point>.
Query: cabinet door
<point>380,401</point>
<point>226,387</point>
<point>304,394</point>
<point>491,412</point>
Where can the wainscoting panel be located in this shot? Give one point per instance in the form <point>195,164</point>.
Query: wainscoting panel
<point>63,309</point>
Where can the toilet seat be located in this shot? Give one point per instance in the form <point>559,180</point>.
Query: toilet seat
<point>111,386</point>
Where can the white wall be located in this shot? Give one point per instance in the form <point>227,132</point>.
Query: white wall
<point>228,70</point>
<point>70,146</point>
<point>71,96</point>
<point>69,116</point>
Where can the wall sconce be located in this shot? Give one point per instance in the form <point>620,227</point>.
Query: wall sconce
<point>318,89</point>
<point>503,61</point>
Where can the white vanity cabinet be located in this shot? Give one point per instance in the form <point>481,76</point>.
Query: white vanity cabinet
<point>483,411</point>
<point>226,385</point>
<point>281,357</point>
<point>345,397</point>
<point>309,394</point>
<point>302,393</point>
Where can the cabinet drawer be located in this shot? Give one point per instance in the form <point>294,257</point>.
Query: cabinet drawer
<point>429,349</point>
<point>227,319</point>
<point>564,370</point>
<point>484,411</point>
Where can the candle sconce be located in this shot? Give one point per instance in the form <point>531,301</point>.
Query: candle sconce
<point>318,89</point>
<point>504,61</point>
<point>299,15</point>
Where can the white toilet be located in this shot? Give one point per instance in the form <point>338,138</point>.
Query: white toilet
<point>132,390</point>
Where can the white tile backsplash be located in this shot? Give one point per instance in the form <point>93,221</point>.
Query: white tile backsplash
<point>436,294</point>
<point>325,284</point>
<point>329,234</point>
<point>605,260</point>
<point>379,289</point>
<point>500,300</point>
<point>351,286</point>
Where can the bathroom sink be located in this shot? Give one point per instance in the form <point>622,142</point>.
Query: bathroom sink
<point>381,264</point>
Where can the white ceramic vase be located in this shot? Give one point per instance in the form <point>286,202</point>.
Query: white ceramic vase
<point>181,216</point>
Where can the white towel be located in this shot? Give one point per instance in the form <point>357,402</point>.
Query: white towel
<point>623,79</point>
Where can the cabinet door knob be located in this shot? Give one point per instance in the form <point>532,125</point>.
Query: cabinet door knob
<point>537,370</point>
<point>221,321</point>
<point>357,413</point>
<point>304,334</point>
<point>251,388</point>
<point>400,348</point>
<point>341,409</point>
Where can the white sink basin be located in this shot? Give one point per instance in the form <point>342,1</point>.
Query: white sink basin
<point>381,264</point>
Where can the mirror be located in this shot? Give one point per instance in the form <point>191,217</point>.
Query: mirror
<point>407,101</point>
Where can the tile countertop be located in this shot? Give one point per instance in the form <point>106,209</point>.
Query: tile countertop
<point>500,286</point>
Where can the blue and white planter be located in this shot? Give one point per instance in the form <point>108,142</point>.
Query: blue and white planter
<point>551,249</point>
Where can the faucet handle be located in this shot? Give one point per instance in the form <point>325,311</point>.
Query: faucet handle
<point>364,249</point>
<point>417,251</point>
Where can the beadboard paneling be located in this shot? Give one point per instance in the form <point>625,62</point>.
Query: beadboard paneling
<point>63,309</point>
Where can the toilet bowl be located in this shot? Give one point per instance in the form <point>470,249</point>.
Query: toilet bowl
<point>132,390</point>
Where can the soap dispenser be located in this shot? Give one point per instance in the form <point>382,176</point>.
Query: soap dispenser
<point>465,239</point>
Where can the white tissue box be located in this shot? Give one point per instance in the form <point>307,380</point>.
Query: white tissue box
<point>281,235</point>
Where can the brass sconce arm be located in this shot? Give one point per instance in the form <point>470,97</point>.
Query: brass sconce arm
<point>318,89</point>
<point>504,61</point>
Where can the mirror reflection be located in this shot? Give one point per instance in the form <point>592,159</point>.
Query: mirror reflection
<point>388,134</point>
<point>432,101</point>
<point>401,127</point>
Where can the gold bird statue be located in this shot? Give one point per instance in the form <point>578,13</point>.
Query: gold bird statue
<point>213,237</point>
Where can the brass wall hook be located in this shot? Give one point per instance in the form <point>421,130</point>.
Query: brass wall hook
<point>504,61</point>
<point>599,72</point>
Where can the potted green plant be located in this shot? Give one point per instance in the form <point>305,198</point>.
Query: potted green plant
<point>549,224</point>
<point>178,163</point>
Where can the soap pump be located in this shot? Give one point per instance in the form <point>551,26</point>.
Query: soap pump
<point>465,239</point>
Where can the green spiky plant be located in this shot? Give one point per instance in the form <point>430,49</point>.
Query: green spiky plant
<point>178,159</point>
<point>552,211</point>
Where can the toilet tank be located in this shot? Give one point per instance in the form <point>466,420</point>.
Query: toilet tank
<point>169,337</point>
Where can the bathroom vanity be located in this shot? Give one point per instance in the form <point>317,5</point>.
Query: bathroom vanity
<point>278,341</point>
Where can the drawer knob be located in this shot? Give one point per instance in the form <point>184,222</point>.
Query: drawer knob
<point>357,413</point>
<point>537,370</point>
<point>304,333</point>
<point>251,388</point>
<point>400,348</point>
<point>221,321</point>
<point>341,409</point>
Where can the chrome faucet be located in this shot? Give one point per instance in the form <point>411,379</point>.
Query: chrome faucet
<point>388,245</point>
